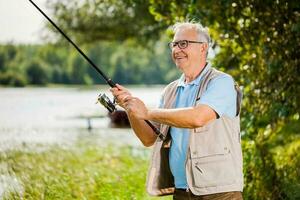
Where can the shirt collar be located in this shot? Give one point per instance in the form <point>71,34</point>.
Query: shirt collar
<point>181,82</point>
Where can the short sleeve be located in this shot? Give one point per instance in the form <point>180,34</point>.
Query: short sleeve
<point>221,95</point>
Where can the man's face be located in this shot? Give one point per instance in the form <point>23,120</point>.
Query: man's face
<point>190,57</point>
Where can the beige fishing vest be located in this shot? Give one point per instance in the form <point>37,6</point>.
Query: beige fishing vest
<point>214,157</point>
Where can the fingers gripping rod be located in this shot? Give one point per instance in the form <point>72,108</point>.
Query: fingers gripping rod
<point>108,80</point>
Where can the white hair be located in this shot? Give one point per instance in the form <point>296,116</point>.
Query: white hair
<point>202,32</point>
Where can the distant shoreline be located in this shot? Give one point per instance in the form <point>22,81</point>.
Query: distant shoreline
<point>94,86</point>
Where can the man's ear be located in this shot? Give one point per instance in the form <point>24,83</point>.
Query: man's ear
<point>204,47</point>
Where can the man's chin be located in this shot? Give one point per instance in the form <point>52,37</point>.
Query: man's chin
<point>180,66</point>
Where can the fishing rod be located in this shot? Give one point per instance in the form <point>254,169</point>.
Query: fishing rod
<point>102,98</point>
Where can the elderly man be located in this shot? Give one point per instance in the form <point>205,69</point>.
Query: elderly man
<point>201,157</point>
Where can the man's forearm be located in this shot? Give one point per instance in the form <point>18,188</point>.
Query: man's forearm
<point>191,117</point>
<point>142,130</point>
<point>173,117</point>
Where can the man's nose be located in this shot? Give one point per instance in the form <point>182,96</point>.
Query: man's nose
<point>176,49</point>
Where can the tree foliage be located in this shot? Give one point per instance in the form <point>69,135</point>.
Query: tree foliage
<point>125,62</point>
<point>92,20</point>
<point>37,72</point>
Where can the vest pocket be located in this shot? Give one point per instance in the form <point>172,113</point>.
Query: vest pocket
<point>213,170</point>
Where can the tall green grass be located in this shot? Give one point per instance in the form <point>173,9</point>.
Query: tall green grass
<point>82,172</point>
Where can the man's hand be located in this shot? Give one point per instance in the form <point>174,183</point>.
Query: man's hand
<point>133,105</point>
<point>121,94</point>
<point>136,108</point>
<point>137,112</point>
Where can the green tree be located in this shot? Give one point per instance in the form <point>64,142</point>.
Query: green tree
<point>12,65</point>
<point>37,72</point>
<point>7,52</point>
<point>77,67</point>
<point>55,55</point>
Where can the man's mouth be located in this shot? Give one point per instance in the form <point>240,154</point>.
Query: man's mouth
<point>180,57</point>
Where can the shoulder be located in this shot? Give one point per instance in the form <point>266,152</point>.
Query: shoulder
<point>167,92</point>
<point>221,79</point>
<point>170,87</point>
<point>220,95</point>
<point>172,84</point>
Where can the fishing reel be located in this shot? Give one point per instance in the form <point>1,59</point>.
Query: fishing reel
<point>111,107</point>
<point>106,102</point>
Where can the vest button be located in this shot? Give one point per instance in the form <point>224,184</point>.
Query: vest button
<point>194,152</point>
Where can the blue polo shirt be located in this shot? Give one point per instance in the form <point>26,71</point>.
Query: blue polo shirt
<point>220,96</point>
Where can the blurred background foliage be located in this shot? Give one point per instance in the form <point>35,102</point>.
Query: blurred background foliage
<point>128,62</point>
<point>256,42</point>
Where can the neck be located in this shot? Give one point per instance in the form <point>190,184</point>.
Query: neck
<point>194,74</point>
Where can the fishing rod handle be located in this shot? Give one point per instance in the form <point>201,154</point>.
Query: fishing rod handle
<point>157,132</point>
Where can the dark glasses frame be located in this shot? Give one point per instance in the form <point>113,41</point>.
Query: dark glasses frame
<point>182,44</point>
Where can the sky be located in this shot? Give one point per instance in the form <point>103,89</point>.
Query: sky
<point>20,21</point>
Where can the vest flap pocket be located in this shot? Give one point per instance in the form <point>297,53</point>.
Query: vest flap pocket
<point>201,129</point>
<point>214,170</point>
<point>208,143</point>
<point>209,151</point>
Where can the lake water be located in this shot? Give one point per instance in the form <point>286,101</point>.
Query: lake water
<point>32,117</point>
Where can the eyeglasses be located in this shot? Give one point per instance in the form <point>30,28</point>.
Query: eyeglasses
<point>182,44</point>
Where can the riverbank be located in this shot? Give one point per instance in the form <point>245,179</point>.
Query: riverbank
<point>84,171</point>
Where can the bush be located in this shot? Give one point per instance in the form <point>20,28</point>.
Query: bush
<point>271,173</point>
<point>13,79</point>
<point>37,73</point>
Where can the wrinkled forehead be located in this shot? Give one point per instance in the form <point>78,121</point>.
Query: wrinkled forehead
<point>185,34</point>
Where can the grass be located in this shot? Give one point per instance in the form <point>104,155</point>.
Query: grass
<point>82,172</point>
